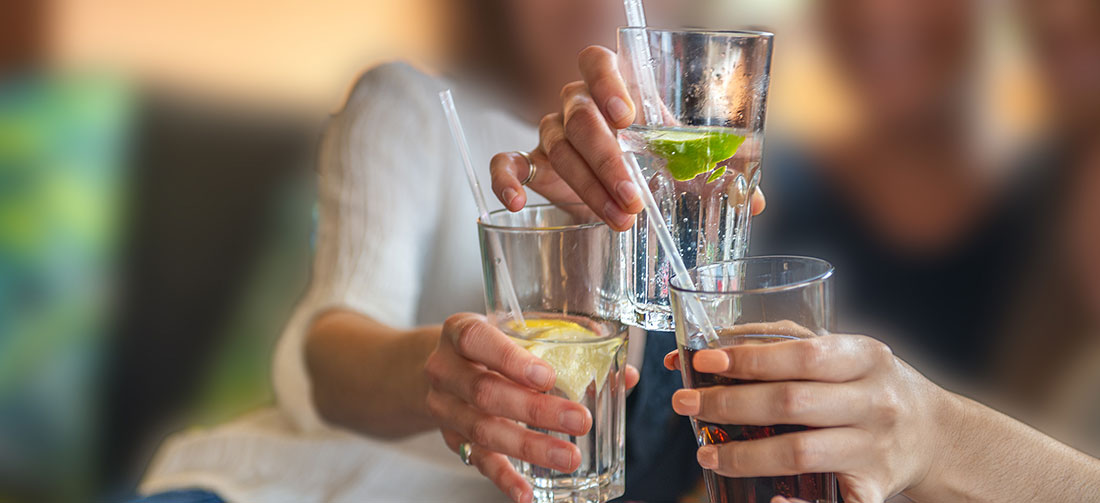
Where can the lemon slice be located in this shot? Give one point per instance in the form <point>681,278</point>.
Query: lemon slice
<point>692,153</point>
<point>578,355</point>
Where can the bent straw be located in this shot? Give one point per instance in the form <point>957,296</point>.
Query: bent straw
<point>447,100</point>
<point>651,106</point>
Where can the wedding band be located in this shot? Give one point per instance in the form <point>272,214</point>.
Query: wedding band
<point>531,168</point>
<point>464,452</point>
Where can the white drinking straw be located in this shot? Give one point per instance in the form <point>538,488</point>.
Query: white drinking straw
<point>664,238</point>
<point>647,84</point>
<point>651,106</point>
<point>501,264</point>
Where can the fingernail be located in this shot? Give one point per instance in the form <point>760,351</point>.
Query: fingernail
<point>562,459</point>
<point>509,195</point>
<point>617,109</point>
<point>708,457</point>
<point>686,402</point>
<point>539,375</point>
<point>628,191</point>
<point>571,420</point>
<point>711,361</point>
<point>612,212</point>
<point>516,494</point>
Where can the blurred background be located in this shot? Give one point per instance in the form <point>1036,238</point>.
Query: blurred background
<point>157,195</point>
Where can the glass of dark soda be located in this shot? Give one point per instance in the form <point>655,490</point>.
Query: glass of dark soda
<point>755,300</point>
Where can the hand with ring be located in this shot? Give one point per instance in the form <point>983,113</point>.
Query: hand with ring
<point>578,158</point>
<point>532,168</point>
<point>480,383</point>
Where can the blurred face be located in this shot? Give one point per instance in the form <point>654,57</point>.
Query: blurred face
<point>903,57</point>
<point>546,36</point>
<point>1066,41</point>
<point>22,36</point>
<point>538,40</point>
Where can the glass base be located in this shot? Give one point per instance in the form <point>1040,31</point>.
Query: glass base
<point>569,489</point>
<point>650,317</point>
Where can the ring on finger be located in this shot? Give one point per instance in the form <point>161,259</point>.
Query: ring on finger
<point>465,451</point>
<point>531,168</point>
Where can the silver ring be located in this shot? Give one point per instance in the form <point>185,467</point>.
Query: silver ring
<point>531,168</point>
<point>465,450</point>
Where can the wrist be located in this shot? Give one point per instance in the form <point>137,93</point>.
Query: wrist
<point>951,435</point>
<point>368,377</point>
<point>424,340</point>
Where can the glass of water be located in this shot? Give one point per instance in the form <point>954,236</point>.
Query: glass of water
<point>567,270</point>
<point>700,150</point>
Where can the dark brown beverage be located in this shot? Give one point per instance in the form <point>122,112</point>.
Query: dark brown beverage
<point>814,487</point>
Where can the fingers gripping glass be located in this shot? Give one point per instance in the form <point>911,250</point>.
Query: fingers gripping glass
<point>756,300</point>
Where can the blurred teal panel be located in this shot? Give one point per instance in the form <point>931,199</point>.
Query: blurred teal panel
<point>63,146</point>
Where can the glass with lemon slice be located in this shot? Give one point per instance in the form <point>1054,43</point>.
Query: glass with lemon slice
<point>568,273</point>
<point>699,146</point>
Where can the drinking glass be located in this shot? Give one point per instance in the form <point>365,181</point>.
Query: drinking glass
<point>567,270</point>
<point>700,149</point>
<point>756,300</point>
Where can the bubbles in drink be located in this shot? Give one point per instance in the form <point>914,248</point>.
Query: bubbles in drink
<point>701,178</point>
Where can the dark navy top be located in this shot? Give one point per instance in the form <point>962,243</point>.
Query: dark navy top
<point>942,312</point>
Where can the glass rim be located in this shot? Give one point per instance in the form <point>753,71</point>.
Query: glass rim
<point>702,31</point>
<point>817,278</point>
<point>549,228</point>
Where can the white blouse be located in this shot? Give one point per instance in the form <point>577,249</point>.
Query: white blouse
<point>398,242</point>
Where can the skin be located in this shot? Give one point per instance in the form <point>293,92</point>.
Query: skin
<point>882,427</point>
<point>446,383</point>
<point>466,378</point>
<point>1065,37</point>
<point>907,61</point>
<point>910,64</point>
<point>23,36</point>
<point>528,49</point>
<point>578,158</point>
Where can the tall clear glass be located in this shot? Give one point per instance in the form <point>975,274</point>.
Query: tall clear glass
<point>567,269</point>
<point>702,156</point>
<point>756,300</point>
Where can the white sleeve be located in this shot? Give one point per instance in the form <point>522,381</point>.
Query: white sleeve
<point>377,215</point>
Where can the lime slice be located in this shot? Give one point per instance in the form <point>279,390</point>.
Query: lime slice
<point>579,356</point>
<point>690,153</point>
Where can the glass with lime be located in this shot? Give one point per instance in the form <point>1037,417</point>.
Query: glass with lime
<point>700,149</point>
<point>567,270</point>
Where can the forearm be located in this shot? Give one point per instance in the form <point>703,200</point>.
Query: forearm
<point>367,376</point>
<point>987,456</point>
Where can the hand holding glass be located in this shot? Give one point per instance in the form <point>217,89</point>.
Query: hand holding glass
<point>567,271</point>
<point>753,301</point>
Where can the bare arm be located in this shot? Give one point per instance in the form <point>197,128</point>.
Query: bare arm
<point>881,426</point>
<point>369,377</point>
<point>992,457</point>
<point>465,378</point>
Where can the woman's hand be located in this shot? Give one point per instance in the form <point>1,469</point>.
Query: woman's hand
<point>876,422</point>
<point>481,383</point>
<point>578,158</point>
